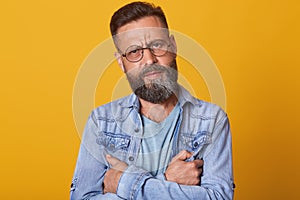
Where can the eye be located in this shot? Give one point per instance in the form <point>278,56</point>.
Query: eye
<point>159,44</point>
<point>134,53</point>
<point>133,50</point>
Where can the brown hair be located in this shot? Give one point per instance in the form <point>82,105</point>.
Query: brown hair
<point>133,12</point>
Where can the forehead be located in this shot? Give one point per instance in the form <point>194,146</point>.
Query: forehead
<point>140,32</point>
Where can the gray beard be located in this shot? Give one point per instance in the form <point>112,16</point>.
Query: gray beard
<point>157,90</point>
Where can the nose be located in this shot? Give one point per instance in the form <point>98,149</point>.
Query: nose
<point>148,57</point>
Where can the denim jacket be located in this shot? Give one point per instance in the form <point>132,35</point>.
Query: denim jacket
<point>116,129</point>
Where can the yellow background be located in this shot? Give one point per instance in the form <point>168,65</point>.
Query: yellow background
<point>255,45</point>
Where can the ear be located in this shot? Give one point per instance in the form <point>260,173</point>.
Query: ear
<point>173,45</point>
<point>120,61</point>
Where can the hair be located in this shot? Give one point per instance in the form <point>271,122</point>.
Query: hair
<point>133,12</point>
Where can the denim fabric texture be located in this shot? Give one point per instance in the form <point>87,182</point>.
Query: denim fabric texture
<point>116,129</point>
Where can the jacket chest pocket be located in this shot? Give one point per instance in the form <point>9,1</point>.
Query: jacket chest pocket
<point>195,143</point>
<point>113,143</point>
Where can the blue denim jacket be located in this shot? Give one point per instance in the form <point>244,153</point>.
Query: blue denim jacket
<point>116,129</point>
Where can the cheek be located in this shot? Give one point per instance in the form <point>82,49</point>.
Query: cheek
<point>130,67</point>
<point>166,60</point>
<point>133,71</point>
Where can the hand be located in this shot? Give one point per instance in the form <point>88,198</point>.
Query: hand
<point>182,172</point>
<point>113,175</point>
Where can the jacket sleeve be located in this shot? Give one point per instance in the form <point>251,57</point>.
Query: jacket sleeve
<point>216,182</point>
<point>90,167</point>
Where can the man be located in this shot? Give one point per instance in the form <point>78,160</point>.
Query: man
<point>159,142</point>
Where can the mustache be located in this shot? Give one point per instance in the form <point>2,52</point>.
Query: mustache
<point>151,68</point>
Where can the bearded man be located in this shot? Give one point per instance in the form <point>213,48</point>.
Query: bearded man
<point>159,142</point>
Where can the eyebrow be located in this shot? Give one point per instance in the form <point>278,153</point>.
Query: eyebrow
<point>147,43</point>
<point>140,42</point>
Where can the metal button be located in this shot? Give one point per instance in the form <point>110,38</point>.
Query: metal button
<point>131,158</point>
<point>136,130</point>
<point>196,144</point>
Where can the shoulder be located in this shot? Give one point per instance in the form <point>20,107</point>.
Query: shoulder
<point>198,108</point>
<point>112,109</point>
<point>204,108</point>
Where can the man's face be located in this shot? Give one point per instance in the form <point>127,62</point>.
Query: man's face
<point>148,56</point>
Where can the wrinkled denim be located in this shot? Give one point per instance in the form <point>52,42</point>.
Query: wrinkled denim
<point>116,129</point>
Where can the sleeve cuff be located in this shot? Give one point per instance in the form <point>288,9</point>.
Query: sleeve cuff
<point>131,181</point>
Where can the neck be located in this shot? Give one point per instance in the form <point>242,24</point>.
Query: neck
<point>158,112</point>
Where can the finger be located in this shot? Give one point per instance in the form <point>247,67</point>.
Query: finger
<point>182,155</point>
<point>116,163</point>
<point>199,163</point>
<point>112,160</point>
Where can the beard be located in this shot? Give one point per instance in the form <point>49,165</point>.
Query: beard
<point>154,90</point>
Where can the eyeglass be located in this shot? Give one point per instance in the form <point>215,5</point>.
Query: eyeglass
<point>135,53</point>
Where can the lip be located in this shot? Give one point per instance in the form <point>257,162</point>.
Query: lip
<point>153,74</point>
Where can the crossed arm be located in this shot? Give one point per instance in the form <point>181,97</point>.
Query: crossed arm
<point>94,180</point>
<point>179,171</point>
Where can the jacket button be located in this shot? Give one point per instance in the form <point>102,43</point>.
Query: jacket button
<point>196,144</point>
<point>131,158</point>
<point>136,130</point>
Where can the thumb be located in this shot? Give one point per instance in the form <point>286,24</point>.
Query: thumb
<point>112,160</point>
<point>116,163</point>
<point>182,155</point>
